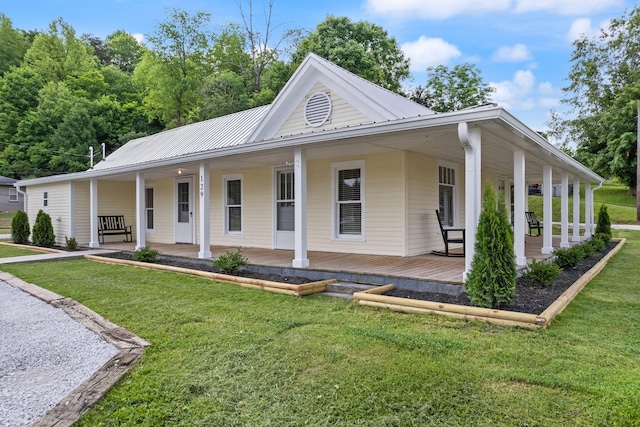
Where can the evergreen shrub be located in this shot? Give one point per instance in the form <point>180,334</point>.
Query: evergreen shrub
<point>542,273</point>
<point>20,229</point>
<point>145,254</point>
<point>568,257</point>
<point>231,262</point>
<point>603,224</point>
<point>70,243</point>
<point>598,243</point>
<point>43,230</point>
<point>492,279</point>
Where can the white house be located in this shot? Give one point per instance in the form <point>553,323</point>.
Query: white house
<point>334,164</point>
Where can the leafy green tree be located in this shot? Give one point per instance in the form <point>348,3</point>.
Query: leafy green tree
<point>452,89</point>
<point>172,71</point>
<point>604,86</point>
<point>12,45</point>
<point>492,279</point>
<point>59,53</point>
<point>18,96</point>
<point>125,52</point>
<point>361,47</point>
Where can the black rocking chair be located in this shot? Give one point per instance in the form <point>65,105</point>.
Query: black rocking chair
<point>449,239</point>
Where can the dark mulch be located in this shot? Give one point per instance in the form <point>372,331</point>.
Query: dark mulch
<point>529,298</point>
<point>194,265</point>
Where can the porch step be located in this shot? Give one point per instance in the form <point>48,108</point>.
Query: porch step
<point>345,289</point>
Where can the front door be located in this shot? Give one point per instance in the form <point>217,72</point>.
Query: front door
<point>285,210</point>
<point>184,229</point>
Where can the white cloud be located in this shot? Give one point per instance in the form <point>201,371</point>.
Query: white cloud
<point>582,27</point>
<point>566,7</point>
<point>138,36</point>
<point>429,52</point>
<point>550,96</point>
<point>516,53</point>
<point>516,93</point>
<point>433,9</point>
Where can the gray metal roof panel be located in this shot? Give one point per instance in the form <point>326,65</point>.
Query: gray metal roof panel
<point>221,132</point>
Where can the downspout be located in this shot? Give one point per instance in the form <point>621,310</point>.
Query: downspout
<point>593,207</point>
<point>24,197</point>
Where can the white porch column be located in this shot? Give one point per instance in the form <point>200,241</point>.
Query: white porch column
<point>300,194</point>
<point>576,210</point>
<point>93,212</point>
<point>470,138</point>
<point>547,187</point>
<point>564,210</point>
<point>519,197</point>
<point>141,220</point>
<point>588,209</point>
<point>205,213</point>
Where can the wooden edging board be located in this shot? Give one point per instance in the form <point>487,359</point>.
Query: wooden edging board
<point>265,285</point>
<point>373,298</point>
<point>89,392</point>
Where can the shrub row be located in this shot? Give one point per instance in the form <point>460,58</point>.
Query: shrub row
<point>545,274</point>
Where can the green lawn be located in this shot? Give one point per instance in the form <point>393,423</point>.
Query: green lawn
<point>620,205</point>
<point>11,251</point>
<point>223,355</point>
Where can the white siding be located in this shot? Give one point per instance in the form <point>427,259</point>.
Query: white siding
<point>384,208</point>
<point>257,208</point>
<point>163,193</point>
<point>422,200</point>
<point>118,198</point>
<point>342,115</point>
<point>59,197</point>
<point>82,213</point>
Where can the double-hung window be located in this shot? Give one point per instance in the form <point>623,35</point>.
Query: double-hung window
<point>233,204</point>
<point>148,206</point>
<point>13,194</point>
<point>446,195</point>
<point>45,199</point>
<point>348,184</point>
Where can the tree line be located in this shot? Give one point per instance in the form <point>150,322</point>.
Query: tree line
<point>61,93</point>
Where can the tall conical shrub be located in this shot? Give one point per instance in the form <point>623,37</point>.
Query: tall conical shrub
<point>492,279</point>
<point>603,224</point>
<point>20,229</point>
<point>43,230</point>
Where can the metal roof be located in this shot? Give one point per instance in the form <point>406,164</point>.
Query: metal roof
<point>221,132</point>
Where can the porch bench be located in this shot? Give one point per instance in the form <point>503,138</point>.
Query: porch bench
<point>113,225</point>
<point>533,222</point>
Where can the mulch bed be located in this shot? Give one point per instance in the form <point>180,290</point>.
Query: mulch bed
<point>529,299</point>
<point>194,265</point>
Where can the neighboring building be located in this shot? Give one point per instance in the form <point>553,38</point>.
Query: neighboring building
<point>335,164</point>
<point>10,199</point>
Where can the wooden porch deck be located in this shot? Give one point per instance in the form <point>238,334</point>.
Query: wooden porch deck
<point>424,267</point>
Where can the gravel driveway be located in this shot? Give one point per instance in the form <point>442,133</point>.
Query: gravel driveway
<point>44,355</point>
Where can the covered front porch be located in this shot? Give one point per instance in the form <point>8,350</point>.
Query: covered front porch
<point>426,267</point>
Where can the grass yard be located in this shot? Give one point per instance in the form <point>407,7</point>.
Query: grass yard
<point>222,355</point>
<point>620,205</point>
<point>11,251</point>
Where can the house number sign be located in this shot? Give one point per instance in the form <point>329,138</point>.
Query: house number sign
<point>201,185</point>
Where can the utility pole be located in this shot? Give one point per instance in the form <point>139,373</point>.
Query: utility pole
<point>638,167</point>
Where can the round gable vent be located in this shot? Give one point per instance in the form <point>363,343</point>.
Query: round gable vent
<point>317,109</point>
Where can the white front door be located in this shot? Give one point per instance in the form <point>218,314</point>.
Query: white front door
<point>183,200</point>
<point>285,210</point>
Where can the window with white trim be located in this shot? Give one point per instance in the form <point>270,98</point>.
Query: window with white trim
<point>149,208</point>
<point>446,195</point>
<point>45,199</point>
<point>348,192</point>
<point>233,204</point>
<point>13,194</point>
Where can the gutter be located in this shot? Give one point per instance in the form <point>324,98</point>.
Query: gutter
<point>24,195</point>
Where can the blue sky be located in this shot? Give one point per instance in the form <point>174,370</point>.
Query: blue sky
<point>522,47</point>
